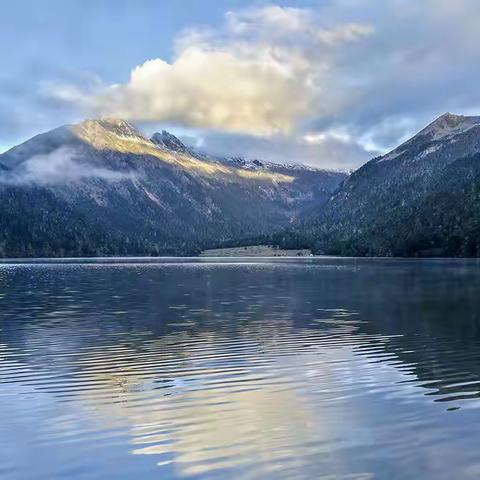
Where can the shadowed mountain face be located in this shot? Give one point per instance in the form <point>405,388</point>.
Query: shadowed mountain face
<point>101,188</point>
<point>423,198</point>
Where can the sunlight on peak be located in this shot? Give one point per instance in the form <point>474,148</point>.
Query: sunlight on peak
<point>118,135</point>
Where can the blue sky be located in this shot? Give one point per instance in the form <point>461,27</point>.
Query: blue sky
<point>326,82</point>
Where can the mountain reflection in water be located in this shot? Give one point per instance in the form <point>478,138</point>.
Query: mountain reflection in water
<point>285,368</point>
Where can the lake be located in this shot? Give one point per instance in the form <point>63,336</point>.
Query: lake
<point>298,368</point>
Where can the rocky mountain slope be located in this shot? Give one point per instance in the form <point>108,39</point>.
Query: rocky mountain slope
<point>102,188</point>
<point>421,199</point>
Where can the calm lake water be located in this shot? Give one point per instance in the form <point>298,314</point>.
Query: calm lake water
<point>290,368</point>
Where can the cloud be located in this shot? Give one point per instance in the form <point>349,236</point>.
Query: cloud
<point>61,166</point>
<point>334,150</point>
<point>331,85</point>
<point>272,19</point>
<point>210,90</point>
<point>420,63</point>
<point>259,74</point>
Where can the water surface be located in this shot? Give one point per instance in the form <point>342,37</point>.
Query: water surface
<point>239,368</point>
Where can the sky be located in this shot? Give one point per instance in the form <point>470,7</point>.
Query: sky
<point>330,83</point>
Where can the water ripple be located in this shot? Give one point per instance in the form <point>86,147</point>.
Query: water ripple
<point>294,369</point>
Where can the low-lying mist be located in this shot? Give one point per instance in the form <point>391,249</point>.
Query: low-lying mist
<point>61,166</point>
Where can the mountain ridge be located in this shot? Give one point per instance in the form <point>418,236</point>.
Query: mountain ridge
<point>117,192</point>
<point>394,205</point>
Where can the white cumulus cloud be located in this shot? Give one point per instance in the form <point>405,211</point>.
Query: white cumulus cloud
<point>261,73</point>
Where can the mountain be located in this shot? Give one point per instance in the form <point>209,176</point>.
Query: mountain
<point>100,187</point>
<point>421,199</point>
